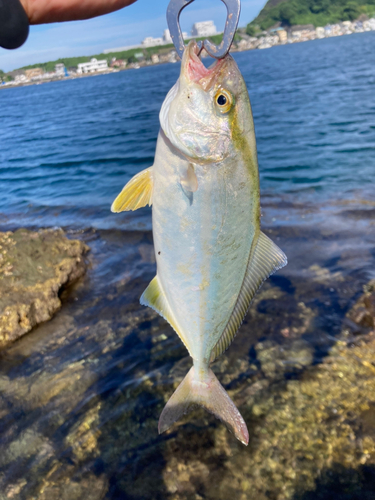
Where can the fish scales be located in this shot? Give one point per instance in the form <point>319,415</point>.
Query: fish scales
<point>211,255</point>
<point>204,236</point>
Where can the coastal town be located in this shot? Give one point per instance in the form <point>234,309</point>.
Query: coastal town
<point>165,52</point>
<point>303,33</point>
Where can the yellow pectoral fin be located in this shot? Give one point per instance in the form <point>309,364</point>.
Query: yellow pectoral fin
<point>136,194</point>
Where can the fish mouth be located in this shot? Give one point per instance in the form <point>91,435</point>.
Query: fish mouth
<point>195,71</point>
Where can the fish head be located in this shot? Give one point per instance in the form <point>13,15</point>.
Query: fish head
<point>199,112</point>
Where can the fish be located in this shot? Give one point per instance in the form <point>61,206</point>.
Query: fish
<point>211,254</point>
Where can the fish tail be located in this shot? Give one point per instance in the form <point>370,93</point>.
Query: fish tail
<point>209,394</point>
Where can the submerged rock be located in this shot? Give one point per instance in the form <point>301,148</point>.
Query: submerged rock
<point>81,397</point>
<point>360,319</point>
<point>34,266</point>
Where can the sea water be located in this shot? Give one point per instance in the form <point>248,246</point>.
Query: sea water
<point>80,395</point>
<point>67,148</point>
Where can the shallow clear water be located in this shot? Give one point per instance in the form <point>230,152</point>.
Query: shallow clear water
<point>80,396</point>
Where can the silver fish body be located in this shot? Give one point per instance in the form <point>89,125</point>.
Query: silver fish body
<point>201,249</point>
<point>211,254</point>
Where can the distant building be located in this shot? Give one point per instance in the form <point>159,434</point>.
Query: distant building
<point>204,28</point>
<point>20,78</point>
<point>243,45</point>
<point>152,42</point>
<point>60,69</point>
<point>118,63</point>
<point>32,73</point>
<point>296,35</point>
<point>167,37</point>
<point>93,66</point>
<point>280,33</point>
<point>283,35</point>
<point>155,59</point>
<point>173,57</point>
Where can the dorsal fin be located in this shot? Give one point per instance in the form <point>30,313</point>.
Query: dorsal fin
<point>136,194</point>
<point>155,298</point>
<point>266,259</point>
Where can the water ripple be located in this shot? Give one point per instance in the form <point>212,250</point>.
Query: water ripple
<point>76,143</point>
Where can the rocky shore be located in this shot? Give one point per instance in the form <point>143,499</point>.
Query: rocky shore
<point>34,266</point>
<point>81,396</point>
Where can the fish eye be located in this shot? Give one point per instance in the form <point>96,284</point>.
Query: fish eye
<point>223,100</point>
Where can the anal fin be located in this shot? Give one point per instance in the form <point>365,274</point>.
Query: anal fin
<point>155,298</point>
<point>136,194</point>
<point>265,260</point>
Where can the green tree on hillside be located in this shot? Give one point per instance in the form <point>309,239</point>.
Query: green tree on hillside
<point>351,11</point>
<point>316,12</point>
<point>252,30</point>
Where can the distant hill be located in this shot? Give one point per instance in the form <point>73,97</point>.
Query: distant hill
<point>317,12</point>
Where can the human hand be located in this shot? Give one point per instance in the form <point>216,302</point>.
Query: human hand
<point>53,11</point>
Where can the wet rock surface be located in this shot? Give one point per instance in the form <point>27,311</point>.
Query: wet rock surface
<point>80,398</point>
<point>361,317</point>
<point>34,266</point>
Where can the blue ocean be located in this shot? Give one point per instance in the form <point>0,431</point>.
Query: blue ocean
<point>67,148</point>
<point>80,395</point>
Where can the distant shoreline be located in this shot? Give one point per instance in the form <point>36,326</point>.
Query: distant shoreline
<point>58,79</point>
<point>149,64</point>
<point>83,75</point>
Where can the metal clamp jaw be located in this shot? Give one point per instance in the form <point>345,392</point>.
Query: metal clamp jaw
<point>174,10</point>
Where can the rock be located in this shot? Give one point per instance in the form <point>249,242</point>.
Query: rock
<point>276,360</point>
<point>34,266</point>
<point>361,317</point>
<point>81,397</point>
<point>319,421</point>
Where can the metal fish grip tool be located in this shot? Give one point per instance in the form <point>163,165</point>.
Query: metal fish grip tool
<point>174,10</point>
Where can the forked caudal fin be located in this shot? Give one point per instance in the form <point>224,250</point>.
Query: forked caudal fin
<point>209,394</point>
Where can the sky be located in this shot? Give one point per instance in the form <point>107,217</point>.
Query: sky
<point>128,26</point>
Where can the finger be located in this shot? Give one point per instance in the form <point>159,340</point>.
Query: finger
<point>52,11</point>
